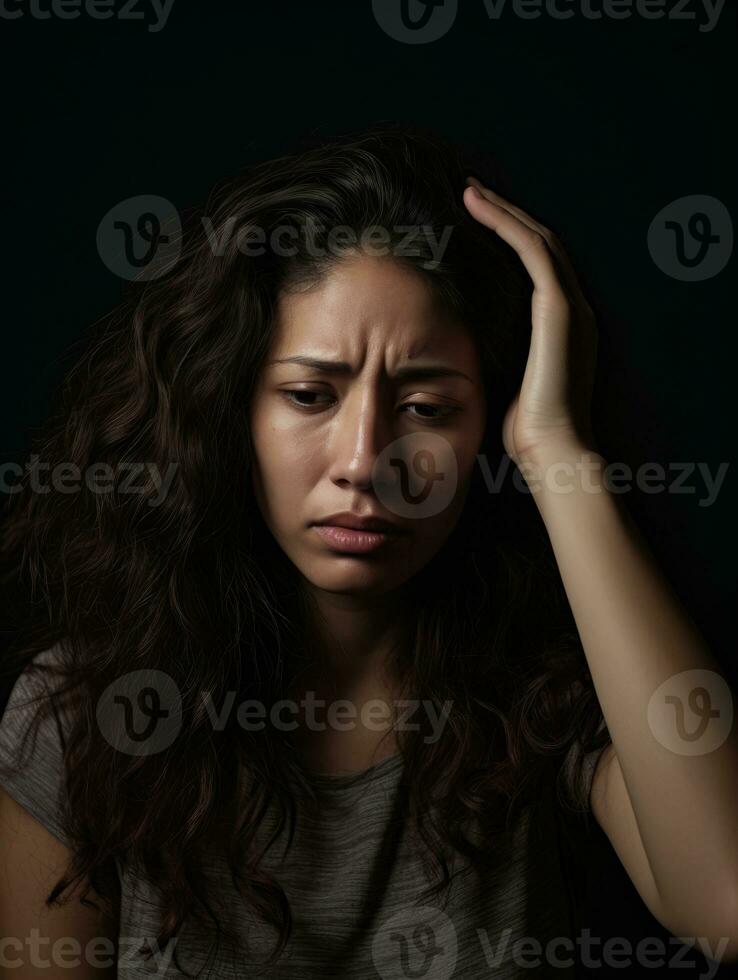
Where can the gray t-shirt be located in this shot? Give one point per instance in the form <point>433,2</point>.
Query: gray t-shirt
<point>353,879</point>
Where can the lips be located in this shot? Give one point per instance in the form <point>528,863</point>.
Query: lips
<point>356,534</point>
<point>358,522</point>
<point>353,541</point>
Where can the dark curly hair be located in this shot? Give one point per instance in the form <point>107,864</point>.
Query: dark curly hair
<point>197,587</point>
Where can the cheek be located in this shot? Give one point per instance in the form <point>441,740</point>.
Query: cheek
<point>286,468</point>
<point>280,460</point>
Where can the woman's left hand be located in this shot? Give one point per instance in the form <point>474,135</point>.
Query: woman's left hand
<point>550,416</point>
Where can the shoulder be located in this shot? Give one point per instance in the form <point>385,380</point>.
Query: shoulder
<point>34,861</point>
<point>32,746</point>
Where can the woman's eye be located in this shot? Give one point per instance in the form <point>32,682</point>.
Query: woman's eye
<point>442,411</point>
<point>292,396</point>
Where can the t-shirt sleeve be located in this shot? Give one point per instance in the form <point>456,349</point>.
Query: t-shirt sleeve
<point>576,776</point>
<point>32,773</point>
<point>589,764</point>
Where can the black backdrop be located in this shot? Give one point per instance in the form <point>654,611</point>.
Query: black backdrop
<point>595,124</point>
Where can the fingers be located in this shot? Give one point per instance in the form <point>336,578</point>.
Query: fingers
<point>528,241</point>
<point>562,261</point>
<point>502,202</point>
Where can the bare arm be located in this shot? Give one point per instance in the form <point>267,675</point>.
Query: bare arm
<point>72,941</point>
<point>666,793</point>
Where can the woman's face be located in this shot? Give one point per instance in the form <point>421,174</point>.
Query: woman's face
<point>360,434</point>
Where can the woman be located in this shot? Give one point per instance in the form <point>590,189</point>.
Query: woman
<point>320,702</point>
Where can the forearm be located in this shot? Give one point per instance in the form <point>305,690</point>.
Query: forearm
<point>636,637</point>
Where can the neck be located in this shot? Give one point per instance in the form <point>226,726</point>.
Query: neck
<point>349,649</point>
<point>351,639</point>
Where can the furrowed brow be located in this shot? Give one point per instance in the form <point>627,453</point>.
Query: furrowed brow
<point>408,373</point>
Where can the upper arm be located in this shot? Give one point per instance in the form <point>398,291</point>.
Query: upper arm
<point>31,862</point>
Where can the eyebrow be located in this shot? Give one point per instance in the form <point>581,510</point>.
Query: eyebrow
<point>410,372</point>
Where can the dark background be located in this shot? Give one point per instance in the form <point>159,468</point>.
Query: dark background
<point>595,125</point>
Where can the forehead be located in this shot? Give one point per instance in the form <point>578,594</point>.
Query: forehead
<point>369,302</point>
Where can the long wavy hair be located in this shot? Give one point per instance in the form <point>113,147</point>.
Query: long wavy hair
<point>194,585</point>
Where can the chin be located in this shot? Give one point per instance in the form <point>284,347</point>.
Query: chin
<point>348,575</point>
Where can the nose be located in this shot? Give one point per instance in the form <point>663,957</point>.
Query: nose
<point>363,428</point>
